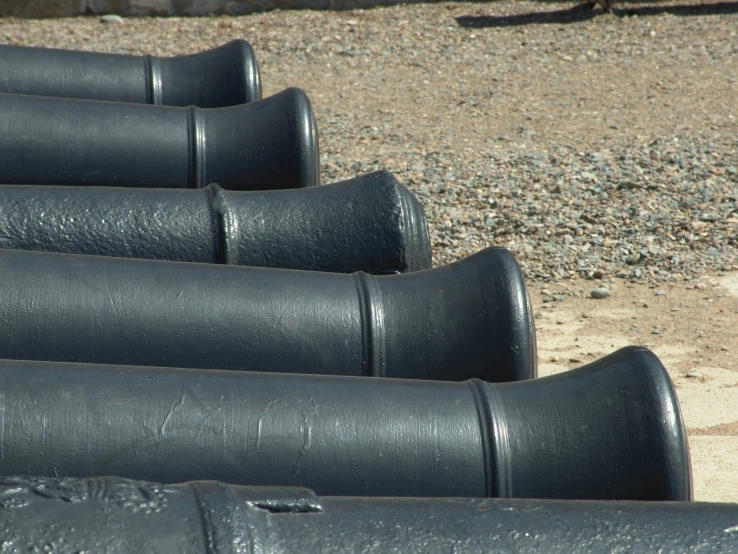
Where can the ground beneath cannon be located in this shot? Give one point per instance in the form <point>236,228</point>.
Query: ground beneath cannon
<point>601,149</point>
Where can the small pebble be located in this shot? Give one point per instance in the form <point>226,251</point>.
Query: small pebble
<point>538,315</point>
<point>600,292</point>
<point>656,331</point>
<point>660,293</point>
<point>695,374</point>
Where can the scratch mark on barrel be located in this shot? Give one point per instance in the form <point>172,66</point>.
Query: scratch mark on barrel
<point>307,436</point>
<point>269,405</point>
<point>173,407</point>
<point>110,294</point>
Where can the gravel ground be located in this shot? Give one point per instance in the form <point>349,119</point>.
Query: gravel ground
<point>589,144</point>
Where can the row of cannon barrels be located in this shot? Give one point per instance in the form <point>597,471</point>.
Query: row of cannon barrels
<point>196,341</point>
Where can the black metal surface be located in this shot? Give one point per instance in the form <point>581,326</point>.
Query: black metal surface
<point>224,76</point>
<point>609,430</point>
<point>371,223</point>
<point>468,319</point>
<point>118,516</point>
<point>269,144</point>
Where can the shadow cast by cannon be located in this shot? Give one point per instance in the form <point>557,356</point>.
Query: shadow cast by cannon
<point>719,8</point>
<point>580,12</point>
<point>584,12</point>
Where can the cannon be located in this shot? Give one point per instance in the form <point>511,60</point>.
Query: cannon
<point>120,516</point>
<point>269,144</point>
<point>371,223</point>
<point>224,76</point>
<point>468,319</point>
<point>608,430</point>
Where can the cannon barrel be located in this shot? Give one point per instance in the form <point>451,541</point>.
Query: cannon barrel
<point>224,76</point>
<point>119,516</point>
<point>468,319</point>
<point>269,144</point>
<point>371,223</point>
<point>609,430</point>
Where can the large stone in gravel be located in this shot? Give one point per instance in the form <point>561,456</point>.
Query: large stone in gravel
<point>111,18</point>
<point>600,292</point>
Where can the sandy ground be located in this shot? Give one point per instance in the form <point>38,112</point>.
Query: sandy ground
<point>697,343</point>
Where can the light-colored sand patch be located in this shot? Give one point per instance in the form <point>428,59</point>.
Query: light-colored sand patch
<point>561,351</point>
<point>715,468</point>
<point>546,369</point>
<point>613,313</point>
<point>670,354</point>
<point>560,320</point>
<point>729,283</point>
<point>710,400</point>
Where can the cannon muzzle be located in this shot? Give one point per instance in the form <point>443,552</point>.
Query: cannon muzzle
<point>224,76</point>
<point>371,223</point>
<point>269,144</point>
<point>609,430</point>
<point>468,319</point>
